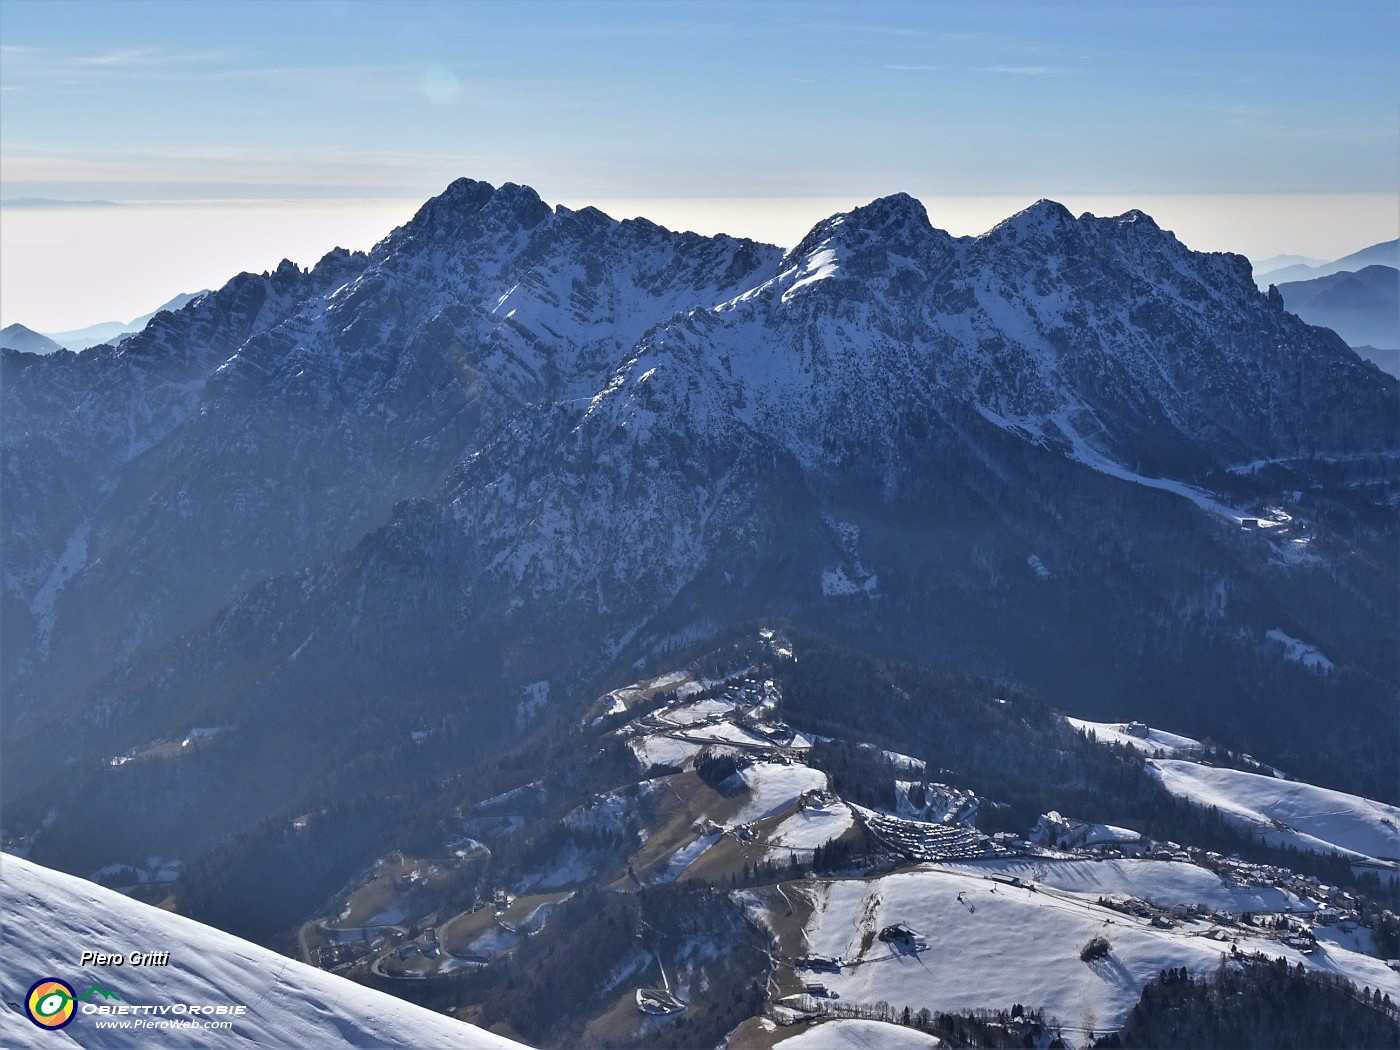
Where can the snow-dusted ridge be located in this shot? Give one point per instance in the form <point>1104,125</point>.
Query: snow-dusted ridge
<point>1279,811</point>
<point>50,919</point>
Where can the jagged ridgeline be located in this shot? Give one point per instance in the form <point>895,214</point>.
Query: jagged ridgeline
<point>320,532</point>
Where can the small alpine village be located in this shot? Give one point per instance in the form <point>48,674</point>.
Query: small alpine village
<point>732,872</point>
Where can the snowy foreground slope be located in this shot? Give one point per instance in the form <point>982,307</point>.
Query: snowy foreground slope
<point>50,919</point>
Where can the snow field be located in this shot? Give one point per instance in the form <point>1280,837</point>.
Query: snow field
<point>689,854</point>
<point>1116,733</point>
<point>689,714</point>
<point>1163,883</point>
<point>1312,817</point>
<point>991,945</point>
<point>660,749</point>
<point>1280,811</point>
<point>773,786</point>
<point>724,733</point>
<point>809,828</point>
<point>850,1034</point>
<point>1310,656</point>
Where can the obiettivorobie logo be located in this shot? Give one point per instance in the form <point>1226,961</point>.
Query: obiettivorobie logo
<point>52,1003</point>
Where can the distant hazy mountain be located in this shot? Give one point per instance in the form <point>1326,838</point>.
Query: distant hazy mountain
<point>1362,307</point>
<point>1278,262</point>
<point>17,337</point>
<point>1387,360</point>
<point>36,203</point>
<point>113,331</point>
<point>1387,253</point>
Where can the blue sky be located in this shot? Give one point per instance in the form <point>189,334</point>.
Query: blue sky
<point>326,99</point>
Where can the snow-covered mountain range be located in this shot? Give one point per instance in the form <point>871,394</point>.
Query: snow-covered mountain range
<point>517,445</point>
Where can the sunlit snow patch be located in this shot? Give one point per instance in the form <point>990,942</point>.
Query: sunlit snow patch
<point>773,786</point>
<point>662,750</point>
<point>1082,452</point>
<point>1287,812</point>
<point>73,558</point>
<point>1139,736</point>
<point>1163,883</point>
<point>1301,652</point>
<point>813,826</point>
<point>818,266</point>
<point>857,1034</point>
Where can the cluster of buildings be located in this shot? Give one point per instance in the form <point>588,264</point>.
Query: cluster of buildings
<point>921,841</point>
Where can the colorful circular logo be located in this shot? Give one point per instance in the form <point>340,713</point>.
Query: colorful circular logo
<point>50,1003</point>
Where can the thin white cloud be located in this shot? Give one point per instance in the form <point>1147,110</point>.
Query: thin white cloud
<point>435,83</point>
<point>1264,123</point>
<point>1029,71</point>
<point>121,57</point>
<point>944,36</point>
<point>126,57</point>
<point>332,171</point>
<point>45,67</point>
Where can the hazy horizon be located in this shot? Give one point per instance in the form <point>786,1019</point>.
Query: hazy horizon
<point>60,261</point>
<point>1261,128</point>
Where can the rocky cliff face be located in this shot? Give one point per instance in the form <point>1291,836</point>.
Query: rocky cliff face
<point>272,424</point>
<point>517,444</point>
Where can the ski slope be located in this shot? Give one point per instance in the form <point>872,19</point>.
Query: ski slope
<point>1164,883</point>
<point>49,919</point>
<point>991,945</point>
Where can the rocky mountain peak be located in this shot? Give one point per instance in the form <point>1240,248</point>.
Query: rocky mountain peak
<point>897,223</point>
<point>466,210</point>
<point>1045,220</point>
<point>896,214</point>
<point>1138,220</point>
